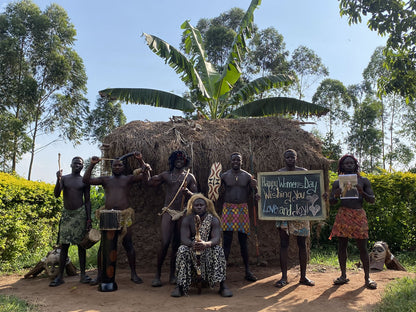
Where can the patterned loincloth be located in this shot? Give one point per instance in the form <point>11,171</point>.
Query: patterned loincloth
<point>72,226</point>
<point>235,218</point>
<point>350,223</point>
<point>293,227</point>
<point>213,265</point>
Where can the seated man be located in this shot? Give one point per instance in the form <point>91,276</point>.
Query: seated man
<point>200,256</point>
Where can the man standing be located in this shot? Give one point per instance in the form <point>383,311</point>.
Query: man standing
<point>351,220</point>
<point>200,255</point>
<point>76,217</point>
<point>301,229</point>
<point>180,183</point>
<point>237,184</point>
<point>116,190</point>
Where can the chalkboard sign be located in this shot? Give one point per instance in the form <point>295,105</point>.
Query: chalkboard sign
<point>291,195</point>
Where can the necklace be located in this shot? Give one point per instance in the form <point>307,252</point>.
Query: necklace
<point>176,179</point>
<point>236,176</point>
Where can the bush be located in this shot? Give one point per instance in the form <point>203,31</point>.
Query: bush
<point>29,215</point>
<point>392,218</point>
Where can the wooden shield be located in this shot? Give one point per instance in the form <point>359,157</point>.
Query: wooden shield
<point>214,181</point>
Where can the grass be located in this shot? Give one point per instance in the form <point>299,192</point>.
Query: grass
<point>399,296</point>
<point>14,304</point>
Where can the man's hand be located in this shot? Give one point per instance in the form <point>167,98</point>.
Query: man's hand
<point>89,224</point>
<point>95,160</point>
<point>59,174</point>
<point>201,245</point>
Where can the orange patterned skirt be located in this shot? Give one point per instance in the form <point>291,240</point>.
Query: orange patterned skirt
<point>350,223</point>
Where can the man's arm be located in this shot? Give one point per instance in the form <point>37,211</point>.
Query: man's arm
<point>186,232</point>
<point>156,180</point>
<point>87,176</point>
<point>335,193</point>
<point>59,184</point>
<point>87,203</point>
<point>215,236</point>
<point>144,171</point>
<point>367,192</point>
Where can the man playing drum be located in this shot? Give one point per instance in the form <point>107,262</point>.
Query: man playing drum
<point>75,219</point>
<point>116,189</point>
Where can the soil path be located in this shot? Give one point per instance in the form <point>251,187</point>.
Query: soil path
<point>259,296</point>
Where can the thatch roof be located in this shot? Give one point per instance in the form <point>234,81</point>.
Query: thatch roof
<point>261,141</point>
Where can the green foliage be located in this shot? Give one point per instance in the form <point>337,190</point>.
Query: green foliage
<point>14,304</point>
<point>42,79</point>
<point>397,21</point>
<point>399,296</point>
<point>392,218</point>
<point>29,215</point>
<point>211,86</point>
<point>104,118</point>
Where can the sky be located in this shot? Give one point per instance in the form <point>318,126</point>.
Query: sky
<point>115,54</point>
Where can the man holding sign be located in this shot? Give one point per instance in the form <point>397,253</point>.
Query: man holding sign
<point>300,229</point>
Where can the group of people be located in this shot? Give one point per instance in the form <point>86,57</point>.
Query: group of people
<point>191,225</point>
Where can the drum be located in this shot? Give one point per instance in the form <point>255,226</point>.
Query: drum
<point>110,220</point>
<point>90,239</point>
<point>110,225</point>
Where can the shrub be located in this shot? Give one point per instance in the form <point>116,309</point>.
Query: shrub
<point>392,218</point>
<point>29,215</point>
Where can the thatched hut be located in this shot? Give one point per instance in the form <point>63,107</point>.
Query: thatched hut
<point>261,141</point>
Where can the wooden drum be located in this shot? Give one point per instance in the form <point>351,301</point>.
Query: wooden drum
<point>110,220</point>
<point>91,238</point>
<point>110,226</point>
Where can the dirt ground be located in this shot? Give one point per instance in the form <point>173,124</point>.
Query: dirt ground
<point>259,296</point>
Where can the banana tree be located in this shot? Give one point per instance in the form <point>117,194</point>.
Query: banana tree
<point>213,88</point>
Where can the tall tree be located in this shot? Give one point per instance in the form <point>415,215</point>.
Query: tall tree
<point>308,67</point>
<point>213,88</point>
<point>364,136</point>
<point>395,19</point>
<point>104,118</point>
<point>333,95</point>
<point>217,33</point>
<point>45,78</point>
<point>392,105</point>
<point>268,54</point>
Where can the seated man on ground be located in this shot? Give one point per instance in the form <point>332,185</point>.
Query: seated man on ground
<point>200,257</point>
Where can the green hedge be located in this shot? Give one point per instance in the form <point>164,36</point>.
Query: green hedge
<point>392,218</point>
<point>29,215</point>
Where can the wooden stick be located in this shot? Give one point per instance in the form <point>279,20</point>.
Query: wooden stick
<point>59,161</point>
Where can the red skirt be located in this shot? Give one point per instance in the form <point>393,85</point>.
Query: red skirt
<point>350,223</point>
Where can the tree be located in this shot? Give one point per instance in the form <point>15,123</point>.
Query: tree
<point>43,80</point>
<point>13,141</point>
<point>268,54</point>
<point>217,33</point>
<point>211,87</point>
<point>395,19</point>
<point>364,137</point>
<point>392,105</point>
<point>333,95</point>
<point>104,118</point>
<point>308,67</point>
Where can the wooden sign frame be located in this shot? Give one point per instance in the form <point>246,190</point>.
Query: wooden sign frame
<point>291,195</point>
